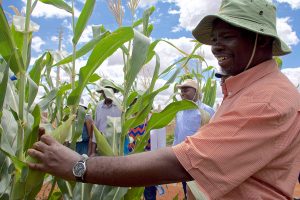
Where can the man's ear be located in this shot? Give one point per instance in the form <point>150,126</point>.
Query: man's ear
<point>265,41</point>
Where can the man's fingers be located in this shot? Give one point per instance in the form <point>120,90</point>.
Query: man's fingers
<point>47,139</point>
<point>35,154</point>
<point>36,166</point>
<point>40,146</point>
<point>41,132</point>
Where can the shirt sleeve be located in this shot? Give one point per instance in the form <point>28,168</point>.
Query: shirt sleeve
<point>232,147</point>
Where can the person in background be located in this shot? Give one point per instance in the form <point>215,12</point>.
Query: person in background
<point>248,150</point>
<point>104,109</point>
<point>129,146</point>
<point>189,121</point>
<point>83,144</point>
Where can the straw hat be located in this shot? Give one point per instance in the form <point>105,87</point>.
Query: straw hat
<point>188,83</point>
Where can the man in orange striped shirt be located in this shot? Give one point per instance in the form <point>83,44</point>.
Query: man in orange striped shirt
<point>249,150</point>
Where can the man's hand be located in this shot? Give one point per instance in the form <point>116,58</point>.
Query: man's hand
<point>53,157</point>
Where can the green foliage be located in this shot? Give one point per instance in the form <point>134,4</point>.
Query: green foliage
<point>106,47</point>
<point>59,4</point>
<point>9,50</point>
<point>83,19</point>
<point>21,111</point>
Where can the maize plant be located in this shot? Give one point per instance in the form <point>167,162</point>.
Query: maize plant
<point>21,109</point>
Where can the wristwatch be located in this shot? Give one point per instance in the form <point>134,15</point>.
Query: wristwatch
<point>79,169</point>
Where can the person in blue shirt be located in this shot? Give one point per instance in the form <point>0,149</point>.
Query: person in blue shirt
<point>189,121</point>
<point>83,144</point>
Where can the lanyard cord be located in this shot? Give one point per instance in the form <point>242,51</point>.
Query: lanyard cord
<point>253,52</point>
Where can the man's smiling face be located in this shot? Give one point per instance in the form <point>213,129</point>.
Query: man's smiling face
<point>232,47</point>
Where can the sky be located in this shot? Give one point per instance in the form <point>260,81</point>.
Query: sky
<point>173,20</point>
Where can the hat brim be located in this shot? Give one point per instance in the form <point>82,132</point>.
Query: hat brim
<point>186,86</point>
<point>203,31</point>
<point>114,89</point>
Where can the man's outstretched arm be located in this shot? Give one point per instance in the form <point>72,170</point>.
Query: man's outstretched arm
<point>148,168</point>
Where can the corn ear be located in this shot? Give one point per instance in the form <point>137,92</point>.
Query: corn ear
<point>34,180</point>
<point>102,144</point>
<point>62,132</point>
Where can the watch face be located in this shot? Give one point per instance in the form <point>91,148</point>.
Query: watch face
<point>79,169</point>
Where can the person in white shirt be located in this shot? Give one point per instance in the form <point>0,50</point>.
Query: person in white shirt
<point>104,109</point>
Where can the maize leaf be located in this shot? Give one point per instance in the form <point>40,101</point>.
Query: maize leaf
<point>103,146</point>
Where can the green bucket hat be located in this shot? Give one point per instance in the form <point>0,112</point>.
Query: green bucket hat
<point>258,16</point>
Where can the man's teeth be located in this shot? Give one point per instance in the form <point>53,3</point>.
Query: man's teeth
<point>221,58</point>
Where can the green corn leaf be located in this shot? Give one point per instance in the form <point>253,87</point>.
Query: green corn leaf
<point>137,23</point>
<point>31,91</point>
<point>19,34</point>
<point>3,87</point>
<point>105,48</point>
<point>103,146</point>
<point>82,191</point>
<point>131,97</point>
<point>84,49</point>
<point>162,119</point>
<point>35,76</point>
<point>33,136</point>
<point>83,19</point>
<point>195,190</point>
<point>151,51</point>
<point>79,123</point>
<point>142,103</point>
<point>210,92</point>
<point>134,193</point>
<point>278,61</point>
<point>104,192</point>
<point>155,74</point>
<point>208,69</point>
<point>58,4</point>
<point>98,30</point>
<point>139,55</point>
<point>146,17</point>
<point>113,132</point>
<point>48,99</point>
<point>9,50</point>
<point>6,149</point>
<point>66,87</point>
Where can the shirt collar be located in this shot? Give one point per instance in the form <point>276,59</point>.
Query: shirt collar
<point>234,84</point>
<point>107,106</point>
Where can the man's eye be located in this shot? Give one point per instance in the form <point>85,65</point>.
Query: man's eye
<point>227,36</point>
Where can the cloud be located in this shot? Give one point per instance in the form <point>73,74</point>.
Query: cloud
<point>147,3</point>
<point>87,35</point>
<point>192,12</point>
<point>295,4</point>
<point>176,29</point>
<point>294,76</point>
<point>54,38</point>
<point>37,42</point>
<point>168,54</point>
<point>285,31</point>
<point>49,11</point>
<point>173,12</point>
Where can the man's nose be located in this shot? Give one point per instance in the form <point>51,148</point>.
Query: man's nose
<point>217,48</point>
